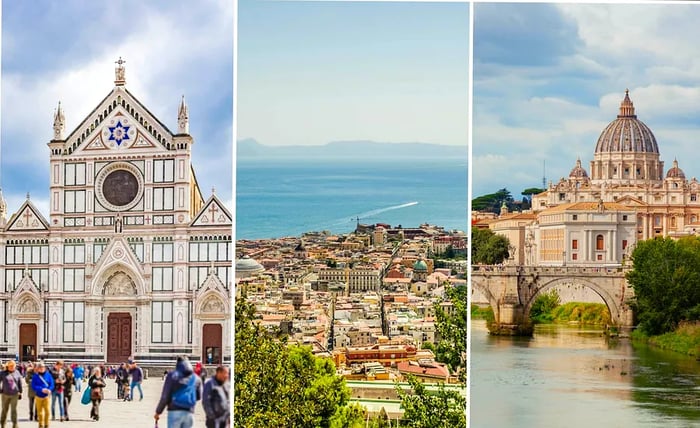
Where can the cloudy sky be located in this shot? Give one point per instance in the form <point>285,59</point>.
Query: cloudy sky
<point>314,72</point>
<point>548,79</point>
<point>171,48</point>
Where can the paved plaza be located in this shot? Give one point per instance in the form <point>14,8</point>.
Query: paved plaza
<point>113,412</point>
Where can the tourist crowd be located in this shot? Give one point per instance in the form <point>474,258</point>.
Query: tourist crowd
<point>49,390</point>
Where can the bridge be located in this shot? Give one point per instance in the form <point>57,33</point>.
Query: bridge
<point>511,291</point>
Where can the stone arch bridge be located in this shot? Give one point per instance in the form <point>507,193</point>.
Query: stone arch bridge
<point>511,291</point>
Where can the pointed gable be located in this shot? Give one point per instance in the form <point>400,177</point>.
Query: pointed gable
<point>118,256</point>
<point>27,218</point>
<point>631,201</point>
<point>119,122</point>
<point>213,213</point>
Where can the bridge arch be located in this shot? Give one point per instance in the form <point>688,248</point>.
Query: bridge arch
<point>484,289</point>
<point>608,299</point>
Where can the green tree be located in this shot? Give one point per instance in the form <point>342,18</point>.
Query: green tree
<point>451,349</point>
<point>492,202</point>
<point>488,247</point>
<point>532,191</point>
<point>666,281</point>
<point>439,409</point>
<point>544,304</point>
<point>283,386</point>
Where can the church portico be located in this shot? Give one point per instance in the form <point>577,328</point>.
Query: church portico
<point>116,271</point>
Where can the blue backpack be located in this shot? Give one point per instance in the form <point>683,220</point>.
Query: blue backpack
<point>185,397</point>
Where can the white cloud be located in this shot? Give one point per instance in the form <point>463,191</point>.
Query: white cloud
<point>170,50</point>
<point>557,112</point>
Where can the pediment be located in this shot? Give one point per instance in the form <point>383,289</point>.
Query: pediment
<point>118,256</point>
<point>27,218</point>
<point>631,201</point>
<point>213,213</point>
<point>119,123</point>
<point>212,297</point>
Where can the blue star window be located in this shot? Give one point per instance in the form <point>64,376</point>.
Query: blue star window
<point>119,133</point>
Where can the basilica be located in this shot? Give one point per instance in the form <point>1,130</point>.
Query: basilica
<point>595,217</point>
<point>132,260</point>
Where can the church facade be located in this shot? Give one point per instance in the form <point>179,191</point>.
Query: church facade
<point>131,260</point>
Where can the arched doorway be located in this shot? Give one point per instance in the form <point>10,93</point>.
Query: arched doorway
<point>27,341</point>
<point>118,337</point>
<point>212,342</point>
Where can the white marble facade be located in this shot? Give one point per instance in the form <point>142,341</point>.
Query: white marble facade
<point>132,259</point>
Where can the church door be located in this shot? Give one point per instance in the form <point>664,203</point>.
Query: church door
<point>211,344</point>
<point>27,342</point>
<point>118,337</point>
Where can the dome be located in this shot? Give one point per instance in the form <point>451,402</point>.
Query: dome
<point>420,265</point>
<point>578,171</point>
<point>247,266</point>
<point>627,133</point>
<point>675,171</point>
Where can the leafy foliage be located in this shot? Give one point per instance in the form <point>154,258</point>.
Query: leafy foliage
<point>277,385</point>
<point>452,329</point>
<point>532,191</point>
<point>493,201</point>
<point>544,304</point>
<point>488,247</point>
<point>427,410</point>
<point>666,282</point>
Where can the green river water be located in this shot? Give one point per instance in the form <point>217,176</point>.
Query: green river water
<point>571,377</point>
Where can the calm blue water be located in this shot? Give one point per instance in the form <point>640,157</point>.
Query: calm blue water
<point>287,198</point>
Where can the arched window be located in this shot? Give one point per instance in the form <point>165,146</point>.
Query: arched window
<point>599,243</point>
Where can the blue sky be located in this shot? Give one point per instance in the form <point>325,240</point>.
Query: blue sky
<point>66,50</point>
<point>549,77</point>
<point>314,72</point>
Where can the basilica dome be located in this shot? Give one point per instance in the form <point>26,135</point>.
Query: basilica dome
<point>627,133</point>
<point>675,171</point>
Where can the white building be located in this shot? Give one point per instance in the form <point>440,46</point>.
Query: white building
<point>131,260</point>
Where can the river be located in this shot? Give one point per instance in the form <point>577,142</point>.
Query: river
<point>569,376</point>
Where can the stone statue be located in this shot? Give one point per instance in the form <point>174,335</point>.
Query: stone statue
<point>120,285</point>
<point>28,306</point>
<point>119,71</point>
<point>213,305</point>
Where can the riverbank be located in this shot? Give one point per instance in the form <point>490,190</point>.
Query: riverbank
<point>576,313</point>
<point>482,313</point>
<point>684,340</point>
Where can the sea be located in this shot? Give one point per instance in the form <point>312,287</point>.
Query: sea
<point>280,198</point>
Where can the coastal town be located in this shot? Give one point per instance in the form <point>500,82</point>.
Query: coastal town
<point>366,299</point>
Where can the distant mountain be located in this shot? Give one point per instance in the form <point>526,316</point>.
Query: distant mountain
<point>250,149</point>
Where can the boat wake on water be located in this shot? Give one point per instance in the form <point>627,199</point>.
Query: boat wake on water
<point>375,212</point>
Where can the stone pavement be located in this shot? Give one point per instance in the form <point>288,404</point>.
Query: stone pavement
<point>113,413</point>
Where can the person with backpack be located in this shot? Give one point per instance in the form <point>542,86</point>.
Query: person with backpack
<point>11,381</point>
<point>42,384</point>
<point>215,399</point>
<point>181,391</point>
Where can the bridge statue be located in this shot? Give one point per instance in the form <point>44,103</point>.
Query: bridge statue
<point>511,291</point>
